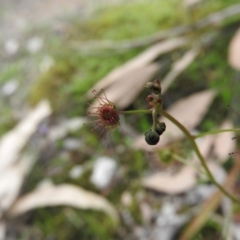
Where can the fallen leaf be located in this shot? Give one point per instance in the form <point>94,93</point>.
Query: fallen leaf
<point>64,194</point>
<point>12,143</point>
<point>146,57</point>
<point>234,51</point>
<point>170,183</point>
<point>188,111</point>
<point>122,93</point>
<point>11,180</point>
<point>224,144</point>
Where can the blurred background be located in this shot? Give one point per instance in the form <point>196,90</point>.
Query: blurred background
<point>59,179</point>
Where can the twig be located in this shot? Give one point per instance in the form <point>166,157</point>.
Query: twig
<point>181,64</point>
<point>211,19</point>
<point>211,204</point>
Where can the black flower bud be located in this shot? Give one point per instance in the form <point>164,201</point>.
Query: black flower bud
<point>151,137</point>
<point>154,86</point>
<point>161,127</point>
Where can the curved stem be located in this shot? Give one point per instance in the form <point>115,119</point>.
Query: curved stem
<point>201,158</point>
<point>192,141</point>
<point>216,132</point>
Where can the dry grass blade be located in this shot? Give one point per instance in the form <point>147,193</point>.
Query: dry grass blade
<point>224,144</point>
<point>64,194</point>
<point>139,61</point>
<point>210,205</point>
<point>170,183</point>
<point>189,111</point>
<point>204,145</point>
<point>234,51</point>
<point>218,17</point>
<point>178,67</point>
<point>12,143</point>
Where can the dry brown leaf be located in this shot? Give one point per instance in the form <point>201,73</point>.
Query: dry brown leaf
<point>138,62</point>
<point>170,183</point>
<point>188,111</point>
<point>12,143</point>
<point>234,51</point>
<point>122,93</point>
<point>13,166</point>
<point>11,180</point>
<point>224,144</point>
<point>64,194</point>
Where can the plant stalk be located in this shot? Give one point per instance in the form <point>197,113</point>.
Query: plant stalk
<point>216,132</point>
<point>193,143</point>
<point>201,158</point>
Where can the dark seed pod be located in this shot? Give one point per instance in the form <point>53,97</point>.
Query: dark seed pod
<point>156,89</point>
<point>161,127</point>
<point>154,86</point>
<point>151,137</point>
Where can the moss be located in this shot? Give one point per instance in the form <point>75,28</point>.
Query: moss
<point>116,22</point>
<point>9,72</point>
<point>62,223</point>
<point>51,84</point>
<point>7,120</point>
<point>74,73</point>
<point>67,81</point>
<point>212,65</point>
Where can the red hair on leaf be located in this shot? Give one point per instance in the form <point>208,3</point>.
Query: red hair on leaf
<point>106,113</point>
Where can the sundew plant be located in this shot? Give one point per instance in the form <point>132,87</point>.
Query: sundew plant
<point>107,118</point>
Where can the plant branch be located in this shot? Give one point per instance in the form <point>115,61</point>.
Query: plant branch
<point>201,158</point>
<point>193,143</point>
<point>216,132</point>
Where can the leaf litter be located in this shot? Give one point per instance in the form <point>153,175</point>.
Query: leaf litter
<point>63,194</point>
<point>140,61</point>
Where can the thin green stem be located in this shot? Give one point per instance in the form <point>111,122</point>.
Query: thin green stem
<point>182,160</point>
<point>216,132</point>
<point>193,143</point>
<point>201,158</point>
<point>136,112</point>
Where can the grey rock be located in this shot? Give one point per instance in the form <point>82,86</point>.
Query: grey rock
<point>103,173</point>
